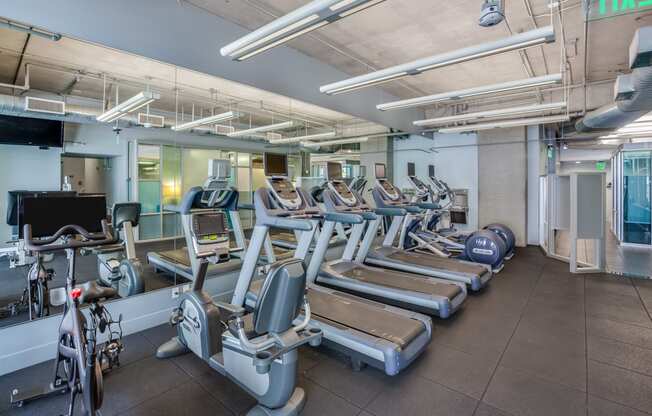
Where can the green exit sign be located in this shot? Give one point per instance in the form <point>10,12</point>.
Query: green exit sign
<point>601,165</point>
<point>599,9</point>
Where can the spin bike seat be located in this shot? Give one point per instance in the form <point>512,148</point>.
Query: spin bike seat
<point>92,292</point>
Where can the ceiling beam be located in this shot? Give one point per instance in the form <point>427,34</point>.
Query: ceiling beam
<point>186,36</point>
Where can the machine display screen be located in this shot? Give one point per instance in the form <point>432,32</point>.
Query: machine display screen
<point>334,171</point>
<point>431,170</point>
<point>343,190</point>
<point>411,169</point>
<point>209,226</point>
<point>48,215</point>
<point>276,164</point>
<point>380,171</point>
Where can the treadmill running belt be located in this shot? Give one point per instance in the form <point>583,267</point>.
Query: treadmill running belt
<point>341,310</point>
<point>398,280</point>
<point>432,261</point>
<point>179,256</point>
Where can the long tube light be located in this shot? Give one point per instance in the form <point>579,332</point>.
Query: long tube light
<point>335,142</point>
<point>503,112</point>
<point>134,103</point>
<point>229,115</point>
<point>642,140</point>
<point>318,136</point>
<point>505,124</point>
<point>305,19</point>
<point>519,41</point>
<point>263,129</point>
<point>472,92</point>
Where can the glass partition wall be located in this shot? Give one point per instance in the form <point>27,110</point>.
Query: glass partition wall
<point>632,183</point>
<point>166,172</point>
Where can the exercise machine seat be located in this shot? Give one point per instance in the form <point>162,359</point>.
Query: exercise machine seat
<point>280,298</point>
<point>92,292</point>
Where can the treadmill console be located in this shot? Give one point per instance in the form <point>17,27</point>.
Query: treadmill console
<point>422,190</point>
<point>388,189</point>
<point>284,192</point>
<point>210,235</point>
<point>343,192</point>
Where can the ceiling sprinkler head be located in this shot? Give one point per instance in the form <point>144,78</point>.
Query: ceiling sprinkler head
<point>492,13</point>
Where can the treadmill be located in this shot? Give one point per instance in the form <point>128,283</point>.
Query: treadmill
<point>418,292</point>
<point>369,333</point>
<point>389,204</point>
<point>224,197</point>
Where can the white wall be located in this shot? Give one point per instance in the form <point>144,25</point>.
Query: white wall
<point>27,168</point>
<point>455,157</point>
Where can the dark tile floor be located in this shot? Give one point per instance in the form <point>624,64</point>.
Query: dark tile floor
<point>538,341</point>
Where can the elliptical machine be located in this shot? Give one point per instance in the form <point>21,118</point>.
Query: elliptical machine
<point>440,191</point>
<point>117,264</point>
<point>80,363</point>
<point>484,247</point>
<point>257,350</point>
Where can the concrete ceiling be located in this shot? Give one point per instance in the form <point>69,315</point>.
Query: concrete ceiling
<point>72,67</point>
<point>398,31</point>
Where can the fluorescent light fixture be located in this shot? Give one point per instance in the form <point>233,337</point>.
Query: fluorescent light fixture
<point>134,103</point>
<point>472,92</point>
<point>229,115</point>
<point>519,41</point>
<point>263,129</point>
<point>336,142</point>
<point>305,19</point>
<point>505,124</point>
<point>318,136</point>
<point>610,142</point>
<point>642,140</point>
<point>578,162</point>
<point>503,112</point>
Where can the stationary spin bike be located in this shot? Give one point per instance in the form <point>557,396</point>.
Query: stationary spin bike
<point>257,350</point>
<point>80,362</point>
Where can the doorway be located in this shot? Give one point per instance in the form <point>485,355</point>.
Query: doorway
<point>86,175</point>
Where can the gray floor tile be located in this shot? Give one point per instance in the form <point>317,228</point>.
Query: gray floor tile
<point>623,355</point>
<point>539,313</point>
<point>473,332</point>
<point>626,313</point>
<point>159,334</point>
<point>552,337</point>
<point>549,362</point>
<point>189,399</point>
<point>415,396</point>
<point>611,284</point>
<point>600,407</point>
<point>191,364</point>
<point>359,387</point>
<point>226,392</point>
<point>308,358</point>
<point>461,371</point>
<point>135,383</point>
<point>485,410</point>
<point>620,386</point>
<point>520,393</point>
<point>137,347</point>
<point>627,333</point>
<point>321,402</point>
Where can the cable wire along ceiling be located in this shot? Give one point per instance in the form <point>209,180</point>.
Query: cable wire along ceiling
<point>305,19</point>
<point>519,41</point>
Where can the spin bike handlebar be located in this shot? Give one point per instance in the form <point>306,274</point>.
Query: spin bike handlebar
<point>49,244</point>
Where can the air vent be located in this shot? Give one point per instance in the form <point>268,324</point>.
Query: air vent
<point>222,129</point>
<point>624,88</point>
<point>41,105</point>
<point>274,136</point>
<point>150,120</point>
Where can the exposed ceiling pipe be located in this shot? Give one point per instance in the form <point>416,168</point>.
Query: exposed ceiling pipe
<point>632,95</point>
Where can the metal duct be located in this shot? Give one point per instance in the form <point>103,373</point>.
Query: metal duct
<point>635,88</point>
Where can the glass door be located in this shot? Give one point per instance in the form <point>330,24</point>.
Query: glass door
<point>637,219</point>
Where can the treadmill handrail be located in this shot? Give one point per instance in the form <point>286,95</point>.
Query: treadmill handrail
<point>344,218</point>
<point>391,212</point>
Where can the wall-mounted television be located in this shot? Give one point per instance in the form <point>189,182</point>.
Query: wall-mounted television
<point>29,131</point>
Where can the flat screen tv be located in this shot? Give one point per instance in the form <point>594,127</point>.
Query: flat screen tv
<point>31,131</point>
